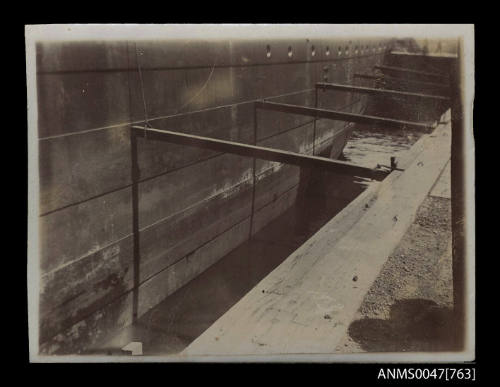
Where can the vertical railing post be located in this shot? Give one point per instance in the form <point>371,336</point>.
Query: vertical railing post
<point>314,124</point>
<point>254,174</point>
<point>135,222</point>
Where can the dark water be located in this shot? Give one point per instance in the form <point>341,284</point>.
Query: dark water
<point>369,147</point>
<point>176,322</point>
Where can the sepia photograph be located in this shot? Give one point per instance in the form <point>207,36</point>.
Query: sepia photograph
<point>251,193</point>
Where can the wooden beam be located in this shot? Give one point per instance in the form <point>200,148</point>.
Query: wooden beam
<point>306,305</point>
<point>368,76</point>
<point>341,116</point>
<point>439,86</point>
<point>372,91</point>
<point>259,152</point>
<point>436,76</point>
<point>442,55</point>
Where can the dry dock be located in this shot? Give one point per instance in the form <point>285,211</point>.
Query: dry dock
<point>409,307</point>
<point>307,304</point>
<point>225,199</point>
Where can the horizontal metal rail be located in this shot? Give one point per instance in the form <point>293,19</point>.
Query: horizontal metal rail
<point>381,77</point>
<point>436,76</point>
<point>440,55</point>
<point>372,91</point>
<point>369,76</point>
<point>259,152</point>
<point>341,116</point>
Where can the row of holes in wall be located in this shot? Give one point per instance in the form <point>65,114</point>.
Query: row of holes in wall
<point>357,50</point>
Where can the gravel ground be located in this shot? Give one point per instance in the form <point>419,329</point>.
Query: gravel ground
<point>408,307</point>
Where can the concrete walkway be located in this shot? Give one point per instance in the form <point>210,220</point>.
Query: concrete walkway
<point>409,306</point>
<point>442,188</point>
<point>306,305</point>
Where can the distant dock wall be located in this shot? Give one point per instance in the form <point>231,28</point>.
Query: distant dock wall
<point>194,204</point>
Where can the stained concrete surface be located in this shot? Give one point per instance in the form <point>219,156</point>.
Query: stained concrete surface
<point>306,305</point>
<point>176,322</point>
<point>409,306</point>
<point>173,324</point>
<point>88,94</point>
<point>442,188</point>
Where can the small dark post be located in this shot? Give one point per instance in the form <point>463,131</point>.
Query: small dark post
<point>394,165</point>
<point>254,172</point>
<point>314,125</point>
<point>135,222</point>
<point>458,195</point>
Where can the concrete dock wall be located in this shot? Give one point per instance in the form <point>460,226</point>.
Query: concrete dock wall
<point>194,204</point>
<point>307,303</point>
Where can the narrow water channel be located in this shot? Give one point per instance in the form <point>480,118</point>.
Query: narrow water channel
<point>172,325</point>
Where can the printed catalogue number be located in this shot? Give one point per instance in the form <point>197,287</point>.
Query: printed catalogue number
<point>447,374</point>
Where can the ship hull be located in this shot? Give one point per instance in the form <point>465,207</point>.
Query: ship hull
<point>193,205</point>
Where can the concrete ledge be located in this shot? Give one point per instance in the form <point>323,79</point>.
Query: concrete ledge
<point>306,304</point>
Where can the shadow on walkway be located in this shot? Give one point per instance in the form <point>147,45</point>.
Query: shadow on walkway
<point>413,325</point>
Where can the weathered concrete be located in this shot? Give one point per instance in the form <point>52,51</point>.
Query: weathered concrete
<point>409,307</point>
<point>442,188</point>
<point>306,304</point>
<point>89,94</point>
<point>69,175</point>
